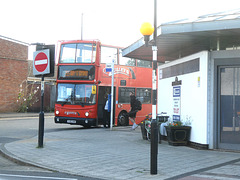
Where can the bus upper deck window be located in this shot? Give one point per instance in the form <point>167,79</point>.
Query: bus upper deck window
<point>86,53</point>
<point>108,54</point>
<point>78,53</point>
<point>68,52</point>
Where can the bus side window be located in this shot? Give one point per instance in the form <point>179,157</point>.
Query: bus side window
<point>126,61</point>
<point>144,95</point>
<point>108,54</point>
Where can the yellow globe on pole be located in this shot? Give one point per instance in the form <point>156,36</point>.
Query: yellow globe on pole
<point>146,29</point>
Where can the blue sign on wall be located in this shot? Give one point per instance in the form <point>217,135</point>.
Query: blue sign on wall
<point>176,118</point>
<point>176,103</point>
<point>177,91</point>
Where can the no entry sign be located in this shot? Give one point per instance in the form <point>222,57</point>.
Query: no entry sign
<point>41,62</point>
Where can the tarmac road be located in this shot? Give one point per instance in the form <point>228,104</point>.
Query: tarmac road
<point>15,128</point>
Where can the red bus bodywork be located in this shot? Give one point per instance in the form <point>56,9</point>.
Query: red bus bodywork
<point>125,78</point>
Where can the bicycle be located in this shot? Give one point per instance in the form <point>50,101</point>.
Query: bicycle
<point>146,127</point>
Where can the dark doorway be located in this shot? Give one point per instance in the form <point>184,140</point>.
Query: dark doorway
<point>102,91</point>
<point>229,107</point>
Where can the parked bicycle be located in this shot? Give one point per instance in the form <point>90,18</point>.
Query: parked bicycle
<point>146,125</point>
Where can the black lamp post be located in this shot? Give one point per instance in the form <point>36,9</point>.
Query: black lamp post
<point>146,31</point>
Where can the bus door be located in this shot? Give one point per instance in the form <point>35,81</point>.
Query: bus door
<point>102,98</point>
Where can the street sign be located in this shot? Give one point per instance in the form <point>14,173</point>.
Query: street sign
<point>51,48</point>
<point>109,67</point>
<point>41,62</point>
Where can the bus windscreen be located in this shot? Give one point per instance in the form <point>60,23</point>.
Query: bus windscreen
<point>76,94</point>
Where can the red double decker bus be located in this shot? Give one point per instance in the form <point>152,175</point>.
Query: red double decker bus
<point>83,82</point>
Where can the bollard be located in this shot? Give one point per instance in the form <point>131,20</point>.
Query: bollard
<point>154,146</point>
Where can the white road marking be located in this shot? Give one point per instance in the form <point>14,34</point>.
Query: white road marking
<point>36,177</point>
<point>15,118</point>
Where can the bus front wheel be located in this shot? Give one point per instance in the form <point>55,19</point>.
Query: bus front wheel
<point>123,119</point>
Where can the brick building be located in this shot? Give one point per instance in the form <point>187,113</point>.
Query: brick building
<point>13,71</point>
<point>16,76</point>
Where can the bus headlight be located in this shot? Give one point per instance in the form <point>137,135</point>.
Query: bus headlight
<point>57,112</point>
<point>86,114</point>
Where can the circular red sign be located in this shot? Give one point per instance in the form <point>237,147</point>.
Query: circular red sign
<point>41,62</point>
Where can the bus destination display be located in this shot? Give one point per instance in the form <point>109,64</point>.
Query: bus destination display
<point>77,74</point>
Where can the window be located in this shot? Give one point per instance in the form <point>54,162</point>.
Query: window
<point>144,95</point>
<point>68,52</point>
<point>124,94</point>
<point>78,53</point>
<point>143,63</point>
<point>180,69</point>
<point>126,61</point>
<point>85,53</point>
<point>108,54</point>
<point>83,72</point>
<point>78,94</point>
<point>65,92</point>
<point>123,83</point>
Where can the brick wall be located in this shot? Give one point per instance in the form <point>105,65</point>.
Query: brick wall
<point>13,70</point>
<point>13,50</point>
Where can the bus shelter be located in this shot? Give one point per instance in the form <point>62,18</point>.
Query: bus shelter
<point>199,58</point>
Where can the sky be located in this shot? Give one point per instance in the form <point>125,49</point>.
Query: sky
<point>113,22</point>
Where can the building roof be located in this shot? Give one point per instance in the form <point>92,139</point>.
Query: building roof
<point>14,40</point>
<point>180,38</point>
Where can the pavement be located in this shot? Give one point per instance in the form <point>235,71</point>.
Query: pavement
<point>119,154</point>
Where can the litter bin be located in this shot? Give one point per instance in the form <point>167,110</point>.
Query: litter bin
<point>161,118</point>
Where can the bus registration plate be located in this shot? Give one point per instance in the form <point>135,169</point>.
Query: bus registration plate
<point>71,121</point>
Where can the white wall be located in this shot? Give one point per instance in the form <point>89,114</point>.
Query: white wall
<point>193,96</point>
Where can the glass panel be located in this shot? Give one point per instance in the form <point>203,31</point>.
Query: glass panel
<point>83,94</point>
<point>126,61</point>
<point>108,54</point>
<point>76,72</point>
<point>181,69</point>
<point>144,95</point>
<point>65,92</point>
<point>230,105</point>
<point>78,53</point>
<point>68,52</point>
<point>143,63</point>
<point>85,53</point>
<point>123,95</point>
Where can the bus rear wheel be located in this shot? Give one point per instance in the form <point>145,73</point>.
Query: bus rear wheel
<point>123,119</point>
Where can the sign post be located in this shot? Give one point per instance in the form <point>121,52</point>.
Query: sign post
<point>112,91</point>
<point>41,66</point>
<point>41,117</point>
